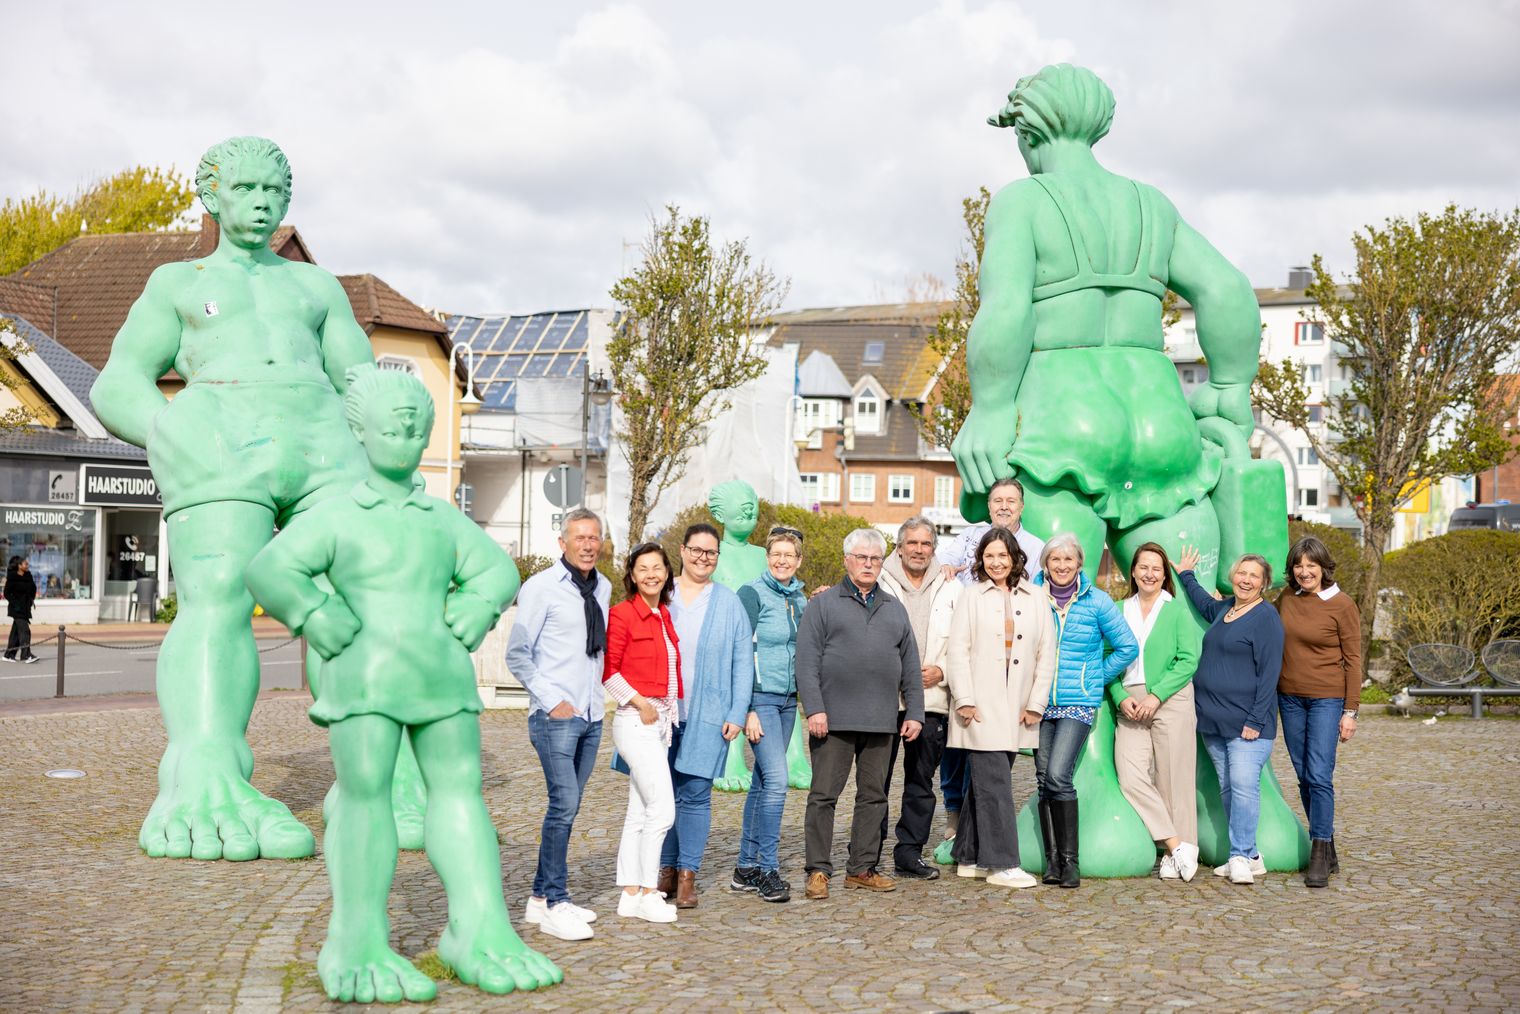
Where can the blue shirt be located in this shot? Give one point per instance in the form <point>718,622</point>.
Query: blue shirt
<point>961,550</point>
<point>1236,682</point>
<point>687,619</point>
<point>546,650</point>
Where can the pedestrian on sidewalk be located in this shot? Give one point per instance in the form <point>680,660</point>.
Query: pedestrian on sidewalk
<point>642,672</point>
<point>855,655</point>
<point>555,651</point>
<point>20,593</point>
<point>718,676</point>
<point>1000,662</point>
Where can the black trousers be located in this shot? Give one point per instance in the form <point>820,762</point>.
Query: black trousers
<point>20,643</point>
<point>921,760</point>
<point>833,756</point>
<point>988,834</point>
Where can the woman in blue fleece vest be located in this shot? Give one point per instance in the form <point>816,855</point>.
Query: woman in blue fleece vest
<point>1087,623</point>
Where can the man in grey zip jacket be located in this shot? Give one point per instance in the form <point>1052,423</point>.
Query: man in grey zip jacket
<point>855,655</point>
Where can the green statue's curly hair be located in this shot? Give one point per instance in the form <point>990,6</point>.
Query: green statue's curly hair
<point>1061,102</point>
<point>209,173</point>
<point>367,380</point>
<point>726,496</point>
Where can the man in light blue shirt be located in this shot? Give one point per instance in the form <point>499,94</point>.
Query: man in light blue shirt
<point>555,650</point>
<point>1005,505</point>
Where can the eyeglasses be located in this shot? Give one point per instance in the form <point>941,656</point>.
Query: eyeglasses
<point>701,554</point>
<point>865,561</point>
<point>783,530</point>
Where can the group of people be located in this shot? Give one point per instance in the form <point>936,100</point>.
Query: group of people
<point>958,656</point>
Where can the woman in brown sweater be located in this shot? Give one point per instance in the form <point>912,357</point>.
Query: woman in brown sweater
<point>1320,689</point>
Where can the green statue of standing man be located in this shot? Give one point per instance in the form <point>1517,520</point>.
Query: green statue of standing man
<point>256,438</point>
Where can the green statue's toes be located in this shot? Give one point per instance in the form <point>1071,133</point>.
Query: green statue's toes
<point>285,838</point>
<point>370,973</point>
<point>734,784</point>
<point>944,854</point>
<point>503,965</point>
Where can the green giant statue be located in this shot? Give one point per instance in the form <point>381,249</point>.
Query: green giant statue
<point>256,437</point>
<point>415,586</point>
<point>1072,390</point>
<point>735,506</point>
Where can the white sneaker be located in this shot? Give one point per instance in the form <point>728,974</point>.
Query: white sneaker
<point>533,914</point>
<point>1014,877</point>
<point>971,872</point>
<point>649,907</point>
<point>1258,868</point>
<point>1169,868</point>
<point>1240,870</point>
<point>1185,861</point>
<point>561,921</point>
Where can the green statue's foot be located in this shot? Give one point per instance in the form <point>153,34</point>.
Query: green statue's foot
<point>496,960</point>
<point>799,766</point>
<point>736,775</point>
<point>207,810</point>
<point>944,855</point>
<point>369,973</point>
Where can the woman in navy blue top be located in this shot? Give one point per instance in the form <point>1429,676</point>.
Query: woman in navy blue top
<point>1235,693</point>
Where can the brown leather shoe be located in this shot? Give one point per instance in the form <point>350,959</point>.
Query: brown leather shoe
<point>870,880</point>
<point>686,889</point>
<point>817,886</point>
<point>666,884</point>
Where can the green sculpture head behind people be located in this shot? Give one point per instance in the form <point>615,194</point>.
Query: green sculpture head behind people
<point>244,183</point>
<point>1060,103</point>
<point>391,414</point>
<point>736,507</point>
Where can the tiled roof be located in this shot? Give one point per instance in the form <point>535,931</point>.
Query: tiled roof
<point>886,342</point>
<point>899,441</point>
<point>94,280</point>
<point>376,303</point>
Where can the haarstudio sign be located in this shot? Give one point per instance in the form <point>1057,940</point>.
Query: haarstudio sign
<point>118,486</point>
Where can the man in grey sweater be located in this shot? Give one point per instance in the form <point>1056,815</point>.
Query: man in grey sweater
<point>855,655</point>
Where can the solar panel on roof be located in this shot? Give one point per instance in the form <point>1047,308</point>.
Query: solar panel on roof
<point>463,331</point>
<point>576,339</point>
<point>562,364</point>
<point>533,330</point>
<point>496,333</point>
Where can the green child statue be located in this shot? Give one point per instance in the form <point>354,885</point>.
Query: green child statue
<point>415,587</point>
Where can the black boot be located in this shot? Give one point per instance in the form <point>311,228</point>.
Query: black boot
<point>1335,863</point>
<point>1317,873</point>
<point>1048,834</point>
<point>1066,841</point>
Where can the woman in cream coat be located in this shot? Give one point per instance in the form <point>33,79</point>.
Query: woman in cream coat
<point>999,666</point>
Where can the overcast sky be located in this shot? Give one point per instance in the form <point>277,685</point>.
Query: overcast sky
<point>507,156</point>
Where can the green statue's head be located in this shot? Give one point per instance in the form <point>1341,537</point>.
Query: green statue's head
<point>736,507</point>
<point>1060,103</point>
<point>244,183</point>
<point>392,415</point>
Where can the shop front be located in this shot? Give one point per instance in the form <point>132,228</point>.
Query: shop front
<point>134,568</point>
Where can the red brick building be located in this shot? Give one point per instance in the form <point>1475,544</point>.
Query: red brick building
<point>1503,482</point>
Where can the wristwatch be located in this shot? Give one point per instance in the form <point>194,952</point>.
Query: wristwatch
<point>1349,714</point>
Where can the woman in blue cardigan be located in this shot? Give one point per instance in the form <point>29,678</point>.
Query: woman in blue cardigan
<point>1235,692</point>
<point>715,645</point>
<point>1086,621</point>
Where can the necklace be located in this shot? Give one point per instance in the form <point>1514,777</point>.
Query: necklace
<point>1238,609</point>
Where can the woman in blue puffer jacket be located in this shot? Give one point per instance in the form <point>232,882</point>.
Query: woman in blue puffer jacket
<point>1087,620</point>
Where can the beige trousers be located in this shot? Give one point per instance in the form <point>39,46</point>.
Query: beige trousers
<point>1168,747</point>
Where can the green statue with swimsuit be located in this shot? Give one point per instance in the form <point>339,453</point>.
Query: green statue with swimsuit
<point>1073,393</point>
<point>415,586</point>
<point>255,438</point>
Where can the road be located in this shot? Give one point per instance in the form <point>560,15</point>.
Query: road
<point>127,669</point>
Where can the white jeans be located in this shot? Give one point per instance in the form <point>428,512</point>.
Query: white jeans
<point>651,799</point>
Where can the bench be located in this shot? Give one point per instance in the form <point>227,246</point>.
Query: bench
<point>1449,670</point>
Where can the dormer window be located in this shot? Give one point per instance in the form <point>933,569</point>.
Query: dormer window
<point>867,412</point>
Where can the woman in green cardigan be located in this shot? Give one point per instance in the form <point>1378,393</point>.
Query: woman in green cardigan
<point>1157,723</point>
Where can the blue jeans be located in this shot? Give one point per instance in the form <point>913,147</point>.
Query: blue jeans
<point>760,841</point>
<point>954,776</point>
<point>1238,762</point>
<point>1055,762</point>
<point>687,838</point>
<point>1311,728</point>
<point>567,750</point>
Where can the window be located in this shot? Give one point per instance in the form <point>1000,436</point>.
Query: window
<point>862,487</point>
<point>1316,413</point>
<point>1313,373</point>
<point>402,364</point>
<point>1306,456</point>
<point>899,489</point>
<point>59,545</point>
<point>1308,333</point>
<point>944,491</point>
<point>814,416</point>
<point>873,354</point>
<point>867,412</point>
<point>1308,498</point>
<point>820,487</point>
<point>1189,375</point>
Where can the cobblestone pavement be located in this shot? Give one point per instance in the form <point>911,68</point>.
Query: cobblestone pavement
<point>1423,916</point>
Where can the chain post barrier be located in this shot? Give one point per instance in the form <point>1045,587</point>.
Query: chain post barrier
<point>62,641</point>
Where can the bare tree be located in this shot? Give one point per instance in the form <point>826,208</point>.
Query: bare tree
<point>940,418</point>
<point>688,332</point>
<point>1431,312</point>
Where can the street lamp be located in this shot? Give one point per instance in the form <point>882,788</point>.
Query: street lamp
<point>595,389</point>
<point>468,405</point>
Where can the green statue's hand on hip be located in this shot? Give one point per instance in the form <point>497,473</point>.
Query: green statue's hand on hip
<point>332,627</point>
<point>1230,402</point>
<point>469,618</point>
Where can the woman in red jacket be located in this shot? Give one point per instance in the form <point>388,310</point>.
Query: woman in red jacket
<point>642,672</point>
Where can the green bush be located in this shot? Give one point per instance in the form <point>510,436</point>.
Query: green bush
<point>1344,550</point>
<point>822,537</point>
<point>168,608</point>
<point>1459,588</point>
<point>529,565</point>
